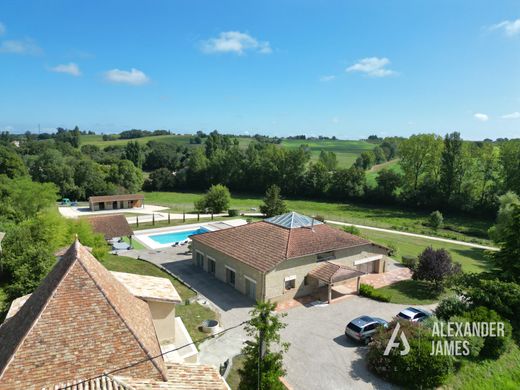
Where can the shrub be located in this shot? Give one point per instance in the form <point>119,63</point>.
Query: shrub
<point>417,369</point>
<point>352,230</point>
<point>233,212</point>
<point>410,262</point>
<point>369,291</point>
<point>320,218</point>
<point>435,220</point>
<point>435,266</point>
<point>215,201</point>
<point>493,346</point>
<point>449,307</point>
<point>393,250</point>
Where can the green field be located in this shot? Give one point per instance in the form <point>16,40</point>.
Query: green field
<point>372,173</point>
<point>346,151</point>
<point>467,228</point>
<point>411,292</point>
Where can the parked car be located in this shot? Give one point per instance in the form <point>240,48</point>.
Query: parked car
<point>413,314</point>
<point>364,327</point>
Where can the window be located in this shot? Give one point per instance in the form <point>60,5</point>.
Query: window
<point>326,256</point>
<point>369,327</point>
<point>290,282</point>
<point>306,281</point>
<point>211,266</point>
<point>199,258</point>
<point>230,276</point>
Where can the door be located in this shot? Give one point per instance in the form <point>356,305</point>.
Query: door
<point>211,266</point>
<point>230,276</point>
<point>114,205</point>
<point>251,289</point>
<point>200,260</point>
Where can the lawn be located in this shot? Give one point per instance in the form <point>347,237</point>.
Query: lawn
<point>192,314</point>
<point>411,292</point>
<point>471,259</point>
<point>390,165</point>
<point>233,378</point>
<point>457,227</point>
<point>503,373</point>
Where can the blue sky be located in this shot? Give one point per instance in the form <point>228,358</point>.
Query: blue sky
<point>278,67</point>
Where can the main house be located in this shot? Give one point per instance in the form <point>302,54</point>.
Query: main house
<point>85,328</point>
<point>287,256</point>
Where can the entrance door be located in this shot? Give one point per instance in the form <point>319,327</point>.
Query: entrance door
<point>211,266</point>
<point>230,276</point>
<point>114,205</point>
<point>251,289</point>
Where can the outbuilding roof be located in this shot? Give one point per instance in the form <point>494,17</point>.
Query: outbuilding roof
<point>80,320</point>
<point>264,245</point>
<point>114,198</point>
<point>113,225</point>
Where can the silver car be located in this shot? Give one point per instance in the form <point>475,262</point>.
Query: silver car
<point>364,327</point>
<point>413,314</point>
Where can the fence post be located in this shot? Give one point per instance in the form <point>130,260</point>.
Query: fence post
<point>153,219</point>
<point>198,217</point>
<point>137,220</point>
<point>168,218</point>
<point>212,216</point>
<point>183,216</point>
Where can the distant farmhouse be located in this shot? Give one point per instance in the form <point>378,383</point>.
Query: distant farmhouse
<point>287,256</point>
<point>84,322</point>
<point>115,202</point>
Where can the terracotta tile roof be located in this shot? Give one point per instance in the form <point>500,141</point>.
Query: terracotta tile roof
<point>114,225</point>
<point>106,382</point>
<point>114,198</point>
<point>149,287</point>
<point>330,272</point>
<point>182,376</point>
<point>263,245</point>
<point>79,322</point>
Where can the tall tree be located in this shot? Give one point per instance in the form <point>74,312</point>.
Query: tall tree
<point>11,164</point>
<point>348,183</point>
<point>124,174</point>
<point>263,364</point>
<point>273,202</point>
<point>507,259</point>
<point>510,158</point>
<point>329,159</point>
<point>135,153</point>
<point>507,204</point>
<point>452,166</point>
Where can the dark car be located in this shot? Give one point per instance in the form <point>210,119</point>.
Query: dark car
<point>413,314</point>
<point>364,327</point>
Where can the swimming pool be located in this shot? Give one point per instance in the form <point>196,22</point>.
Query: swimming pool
<point>173,237</point>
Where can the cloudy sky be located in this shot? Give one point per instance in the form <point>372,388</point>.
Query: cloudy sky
<point>279,67</point>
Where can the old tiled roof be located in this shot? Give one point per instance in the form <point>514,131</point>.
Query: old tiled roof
<point>110,226</point>
<point>329,272</point>
<point>105,382</point>
<point>78,323</point>
<point>114,198</point>
<point>181,376</point>
<point>263,245</point>
<point>149,287</point>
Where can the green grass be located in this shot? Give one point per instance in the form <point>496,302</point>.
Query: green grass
<point>192,314</point>
<point>503,373</point>
<point>135,244</point>
<point>471,259</point>
<point>411,292</point>
<point>169,139</point>
<point>233,378</point>
<point>467,228</point>
<point>372,173</point>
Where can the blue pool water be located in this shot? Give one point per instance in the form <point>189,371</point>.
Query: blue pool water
<point>173,237</point>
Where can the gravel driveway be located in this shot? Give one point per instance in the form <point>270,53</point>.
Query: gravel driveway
<point>320,356</point>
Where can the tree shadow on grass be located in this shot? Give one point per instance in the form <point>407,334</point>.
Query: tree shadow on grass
<point>480,256</point>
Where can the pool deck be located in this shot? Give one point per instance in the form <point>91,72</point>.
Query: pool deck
<point>143,236</point>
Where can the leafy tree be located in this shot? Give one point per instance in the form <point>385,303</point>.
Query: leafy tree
<point>134,152</point>
<point>273,202</point>
<point>317,179</point>
<point>51,166</point>
<point>451,306</point>
<point>216,200</point>
<point>161,179</point>
<point>125,174</point>
<point>510,158</point>
<point>90,178</point>
<point>388,182</point>
<point>435,266</point>
<point>452,165</point>
<point>390,149</point>
<point>348,183</point>
<point>197,167</point>
<point>420,159</point>
<point>507,203</point>
<point>11,163</point>
<point>328,159</point>
<point>507,259</point>
<point>379,155</point>
<point>435,220</point>
<point>265,352</point>
<point>366,160</point>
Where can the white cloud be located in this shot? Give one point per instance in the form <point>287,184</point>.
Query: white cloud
<point>509,27</point>
<point>327,78</point>
<point>513,115</point>
<point>70,68</point>
<point>372,66</point>
<point>24,46</point>
<point>235,42</point>
<point>335,120</point>
<point>132,77</point>
<point>2,28</point>
<point>481,117</point>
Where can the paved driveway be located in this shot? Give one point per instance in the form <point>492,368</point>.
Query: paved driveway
<point>320,356</point>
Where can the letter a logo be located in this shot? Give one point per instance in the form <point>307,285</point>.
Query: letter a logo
<point>392,344</point>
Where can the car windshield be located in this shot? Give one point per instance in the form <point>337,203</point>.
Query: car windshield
<point>354,327</point>
<point>403,315</point>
